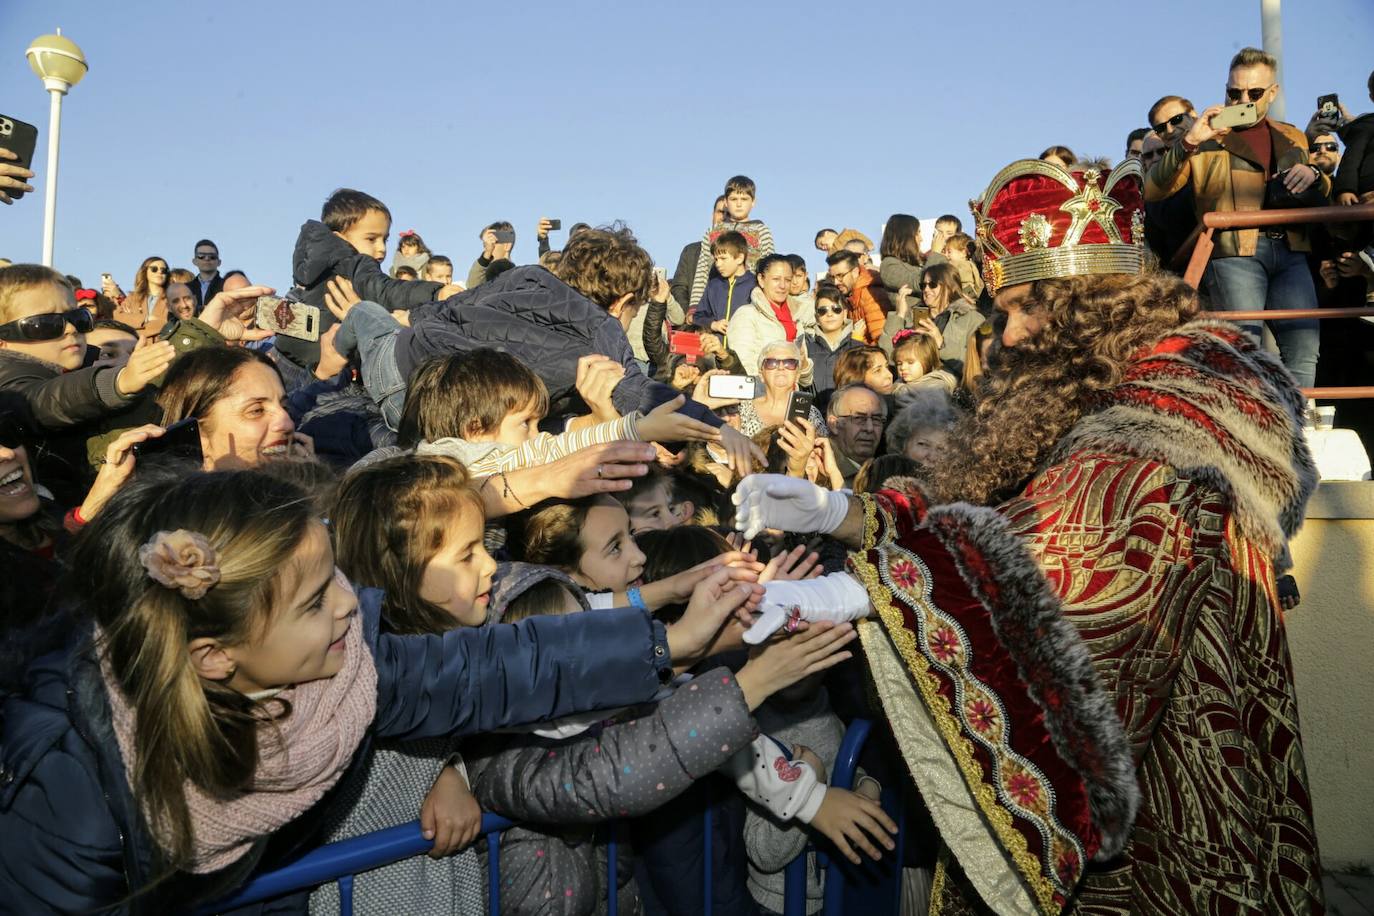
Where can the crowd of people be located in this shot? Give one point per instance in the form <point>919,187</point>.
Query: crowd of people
<point>584,541</point>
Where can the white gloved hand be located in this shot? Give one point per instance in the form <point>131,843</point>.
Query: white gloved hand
<point>788,504</point>
<point>836,597</point>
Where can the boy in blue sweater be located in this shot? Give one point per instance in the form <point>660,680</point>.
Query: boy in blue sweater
<point>730,286</point>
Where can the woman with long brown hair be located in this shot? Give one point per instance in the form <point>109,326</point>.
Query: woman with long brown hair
<point>145,309</point>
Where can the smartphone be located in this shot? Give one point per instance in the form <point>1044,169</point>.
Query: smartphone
<point>20,139</point>
<point>180,440</point>
<point>661,273</point>
<point>919,313</point>
<point>685,342</point>
<point>1233,116</point>
<point>504,236</point>
<point>555,224</point>
<point>106,278</point>
<point>1329,107</point>
<point>288,317</point>
<point>799,405</point>
<point>735,387</point>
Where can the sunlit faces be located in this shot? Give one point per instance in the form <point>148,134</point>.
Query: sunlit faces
<point>439,273</point>
<point>878,376</point>
<point>910,368</point>
<point>830,315</point>
<point>933,295</point>
<point>180,302</point>
<point>303,637</point>
<point>610,561</point>
<point>458,577</point>
<point>369,234</point>
<point>1172,120</point>
<point>653,510</point>
<point>1246,82</point>
<point>67,351</point>
<point>843,274</point>
<point>515,430</point>
<point>927,446</point>
<point>728,263</point>
<point>776,281</point>
<point>856,423</point>
<point>114,345</point>
<point>825,239</point>
<point>774,372</point>
<point>801,281</point>
<point>18,498</point>
<point>249,424</point>
<point>1021,325</point>
<point>738,205</point>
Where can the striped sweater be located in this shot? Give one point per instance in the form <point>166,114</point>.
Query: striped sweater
<point>759,237</point>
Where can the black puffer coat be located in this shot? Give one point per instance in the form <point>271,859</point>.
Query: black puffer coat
<point>547,325</point>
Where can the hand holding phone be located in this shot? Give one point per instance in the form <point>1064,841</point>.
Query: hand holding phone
<point>555,224</point>
<point>799,405</point>
<point>734,387</point>
<point>289,317</point>
<point>17,142</point>
<point>504,236</point>
<point>1232,116</point>
<point>180,440</point>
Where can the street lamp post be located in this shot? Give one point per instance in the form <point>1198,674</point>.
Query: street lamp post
<point>60,65</point>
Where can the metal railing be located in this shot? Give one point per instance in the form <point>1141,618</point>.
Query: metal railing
<point>1202,246</point>
<point>341,861</point>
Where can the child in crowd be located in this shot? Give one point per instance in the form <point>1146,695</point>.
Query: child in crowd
<point>918,365</point>
<point>405,273</point>
<point>427,556</point>
<point>731,283</point>
<point>351,225</point>
<point>959,251</point>
<point>411,252</point>
<point>438,269</point>
<point>739,203</point>
<point>655,503</point>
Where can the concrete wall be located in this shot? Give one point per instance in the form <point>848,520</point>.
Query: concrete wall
<point>1331,637</point>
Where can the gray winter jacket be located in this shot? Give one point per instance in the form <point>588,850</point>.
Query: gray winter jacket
<point>556,864</point>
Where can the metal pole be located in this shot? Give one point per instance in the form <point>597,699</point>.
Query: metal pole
<point>1271,34</point>
<point>50,192</point>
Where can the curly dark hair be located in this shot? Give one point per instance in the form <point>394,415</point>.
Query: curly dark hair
<point>1039,389</point>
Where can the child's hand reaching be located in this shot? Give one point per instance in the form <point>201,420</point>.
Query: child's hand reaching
<point>714,620</point>
<point>665,424</point>
<point>450,814</point>
<point>783,662</point>
<point>797,563</point>
<point>849,820</point>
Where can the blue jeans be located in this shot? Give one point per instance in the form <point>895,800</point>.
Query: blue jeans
<point>371,331</point>
<point>1276,277</point>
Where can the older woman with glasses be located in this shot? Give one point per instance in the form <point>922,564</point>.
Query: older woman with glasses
<point>780,369</point>
<point>145,309</point>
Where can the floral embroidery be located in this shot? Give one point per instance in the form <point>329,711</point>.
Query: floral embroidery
<point>904,573</point>
<point>1024,789</point>
<point>944,644</point>
<point>982,715</point>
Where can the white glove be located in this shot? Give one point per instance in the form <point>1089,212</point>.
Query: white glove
<point>788,504</point>
<point>836,597</point>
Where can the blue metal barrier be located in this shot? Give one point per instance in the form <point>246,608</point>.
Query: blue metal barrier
<point>341,861</point>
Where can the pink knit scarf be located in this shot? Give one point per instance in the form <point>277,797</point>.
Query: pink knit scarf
<point>299,758</point>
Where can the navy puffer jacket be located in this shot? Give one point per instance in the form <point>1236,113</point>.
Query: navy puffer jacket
<point>72,839</point>
<point>547,325</point>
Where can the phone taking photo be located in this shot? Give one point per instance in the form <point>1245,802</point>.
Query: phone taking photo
<point>799,405</point>
<point>21,139</point>
<point>1233,116</point>
<point>289,317</point>
<point>180,440</point>
<point>734,387</point>
<point>504,236</point>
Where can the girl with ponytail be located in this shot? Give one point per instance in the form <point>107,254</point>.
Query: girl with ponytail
<point>222,677</point>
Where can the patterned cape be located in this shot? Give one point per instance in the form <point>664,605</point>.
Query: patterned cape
<point>1090,683</point>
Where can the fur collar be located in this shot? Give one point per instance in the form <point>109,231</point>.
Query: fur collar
<point>1208,402</point>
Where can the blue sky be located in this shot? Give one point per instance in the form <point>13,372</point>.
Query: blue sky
<point>234,120</point>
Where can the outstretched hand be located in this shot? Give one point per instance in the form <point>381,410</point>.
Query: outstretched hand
<point>787,504</point>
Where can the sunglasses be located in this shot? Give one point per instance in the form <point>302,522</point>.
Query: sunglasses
<point>829,310</point>
<point>207,256</point>
<point>789,364</point>
<point>1175,121</point>
<point>1234,95</point>
<point>13,434</point>
<point>50,326</point>
<point>1323,147</point>
<point>930,285</point>
<point>157,270</point>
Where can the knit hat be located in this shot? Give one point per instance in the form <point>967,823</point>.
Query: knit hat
<point>514,579</point>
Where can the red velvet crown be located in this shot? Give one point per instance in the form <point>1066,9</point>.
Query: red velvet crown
<point>1037,220</point>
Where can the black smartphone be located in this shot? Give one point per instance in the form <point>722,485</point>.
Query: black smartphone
<point>799,405</point>
<point>555,224</point>
<point>1329,106</point>
<point>180,440</point>
<point>504,236</point>
<point>20,139</point>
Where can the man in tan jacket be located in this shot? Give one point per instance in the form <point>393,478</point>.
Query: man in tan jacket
<point>1228,170</point>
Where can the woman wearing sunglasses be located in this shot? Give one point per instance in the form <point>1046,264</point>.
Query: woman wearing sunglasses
<point>780,369</point>
<point>772,315</point>
<point>953,318</point>
<point>834,334</point>
<point>48,374</point>
<point>146,307</point>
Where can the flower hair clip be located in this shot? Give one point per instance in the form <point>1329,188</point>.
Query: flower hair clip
<point>181,560</point>
<point>407,233</point>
